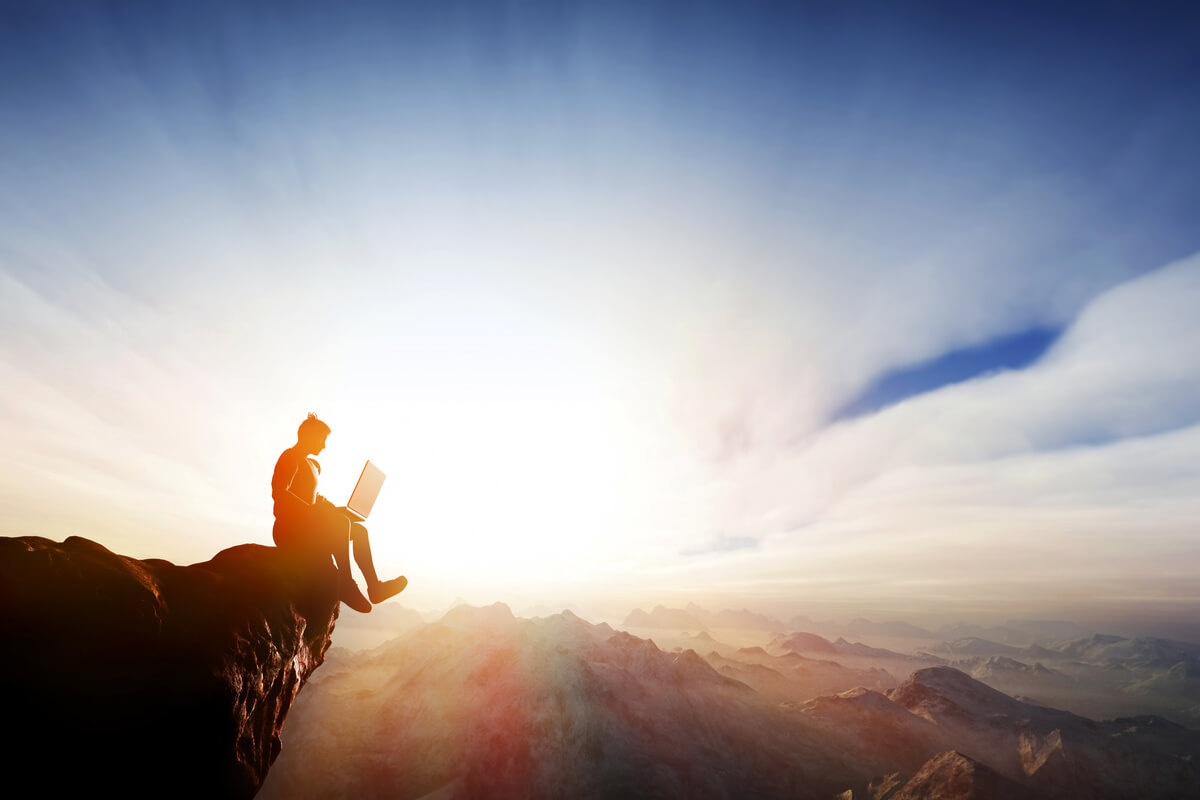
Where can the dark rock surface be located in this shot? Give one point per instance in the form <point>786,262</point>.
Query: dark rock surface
<point>146,679</point>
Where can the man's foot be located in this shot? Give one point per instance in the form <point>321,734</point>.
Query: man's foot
<point>352,596</point>
<point>385,589</point>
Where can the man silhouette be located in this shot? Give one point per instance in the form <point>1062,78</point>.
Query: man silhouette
<point>307,522</point>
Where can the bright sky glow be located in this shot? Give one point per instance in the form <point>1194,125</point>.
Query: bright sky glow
<point>592,282</point>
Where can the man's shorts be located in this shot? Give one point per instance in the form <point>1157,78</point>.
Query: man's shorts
<point>327,529</point>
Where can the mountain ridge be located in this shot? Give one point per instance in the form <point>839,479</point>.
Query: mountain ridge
<point>556,706</point>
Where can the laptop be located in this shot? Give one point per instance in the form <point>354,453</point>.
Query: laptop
<point>358,507</point>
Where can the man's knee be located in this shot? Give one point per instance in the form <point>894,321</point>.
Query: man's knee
<point>358,531</point>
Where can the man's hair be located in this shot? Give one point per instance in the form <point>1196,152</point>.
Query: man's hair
<point>312,425</point>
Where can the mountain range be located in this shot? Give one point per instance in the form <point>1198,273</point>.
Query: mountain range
<point>486,704</point>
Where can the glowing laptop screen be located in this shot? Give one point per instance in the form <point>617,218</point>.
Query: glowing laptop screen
<point>366,490</point>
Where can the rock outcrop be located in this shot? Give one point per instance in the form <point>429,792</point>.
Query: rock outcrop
<point>145,679</point>
<point>953,776</point>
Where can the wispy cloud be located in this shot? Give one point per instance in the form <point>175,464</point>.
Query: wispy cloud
<point>1090,455</point>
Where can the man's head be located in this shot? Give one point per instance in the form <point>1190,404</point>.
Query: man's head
<point>311,435</point>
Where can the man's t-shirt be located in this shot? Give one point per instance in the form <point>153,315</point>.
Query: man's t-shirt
<point>295,474</point>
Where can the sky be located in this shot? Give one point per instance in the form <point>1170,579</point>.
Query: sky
<point>854,308</point>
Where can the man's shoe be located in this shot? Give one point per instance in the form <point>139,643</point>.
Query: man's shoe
<point>352,596</point>
<point>385,589</point>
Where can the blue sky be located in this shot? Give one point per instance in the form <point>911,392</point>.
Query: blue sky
<point>719,273</point>
<point>1004,353</point>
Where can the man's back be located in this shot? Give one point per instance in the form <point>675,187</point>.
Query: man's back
<point>294,490</point>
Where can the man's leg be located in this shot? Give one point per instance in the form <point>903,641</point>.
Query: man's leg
<point>377,590</point>
<point>337,535</point>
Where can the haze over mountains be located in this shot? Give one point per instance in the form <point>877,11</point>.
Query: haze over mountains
<point>698,618</point>
<point>483,703</point>
<point>1053,662</point>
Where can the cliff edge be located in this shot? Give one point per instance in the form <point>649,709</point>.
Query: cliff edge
<point>153,679</point>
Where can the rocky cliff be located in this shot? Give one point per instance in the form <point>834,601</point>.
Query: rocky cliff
<point>150,679</point>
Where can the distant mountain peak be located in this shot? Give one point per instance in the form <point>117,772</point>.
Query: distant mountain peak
<point>932,691</point>
<point>628,641</point>
<point>803,642</point>
<point>663,617</point>
<point>497,615</point>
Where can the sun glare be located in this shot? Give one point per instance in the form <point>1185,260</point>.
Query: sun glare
<point>493,482</point>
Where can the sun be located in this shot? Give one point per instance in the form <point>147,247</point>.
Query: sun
<point>505,491</point>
